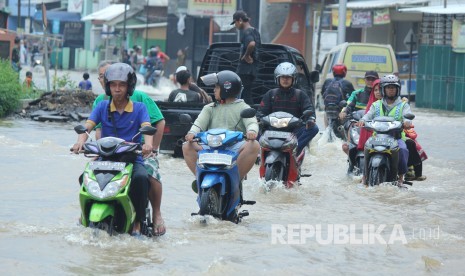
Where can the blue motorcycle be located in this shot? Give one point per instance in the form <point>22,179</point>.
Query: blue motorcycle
<point>218,184</point>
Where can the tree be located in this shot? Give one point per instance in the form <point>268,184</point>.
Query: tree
<point>10,89</point>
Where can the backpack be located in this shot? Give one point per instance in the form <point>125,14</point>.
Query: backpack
<point>333,93</point>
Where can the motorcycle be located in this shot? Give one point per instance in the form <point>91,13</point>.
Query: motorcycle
<point>218,185</point>
<point>278,159</point>
<point>356,158</point>
<point>37,59</point>
<point>334,126</point>
<point>105,184</point>
<point>382,149</point>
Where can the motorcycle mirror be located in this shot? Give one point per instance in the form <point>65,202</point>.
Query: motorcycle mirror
<point>409,116</point>
<point>148,130</point>
<point>342,103</point>
<point>80,129</point>
<point>248,113</point>
<point>185,119</point>
<point>315,76</point>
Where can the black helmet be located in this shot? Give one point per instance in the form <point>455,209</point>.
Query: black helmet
<point>17,40</point>
<point>120,72</point>
<point>230,83</point>
<point>389,80</point>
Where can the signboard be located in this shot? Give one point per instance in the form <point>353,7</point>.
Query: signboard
<point>335,17</point>
<point>75,5</point>
<point>211,7</point>
<point>381,17</point>
<point>73,33</point>
<point>361,19</point>
<point>458,36</point>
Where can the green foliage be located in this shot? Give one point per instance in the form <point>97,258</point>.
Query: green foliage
<point>10,89</point>
<point>63,82</point>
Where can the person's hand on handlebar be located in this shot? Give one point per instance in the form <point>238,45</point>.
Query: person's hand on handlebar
<point>189,137</point>
<point>360,123</point>
<point>146,150</point>
<point>407,124</point>
<point>77,147</point>
<point>310,123</point>
<point>251,135</point>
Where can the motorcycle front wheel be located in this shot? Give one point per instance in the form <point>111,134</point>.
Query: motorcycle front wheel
<point>274,172</point>
<point>377,176</point>
<point>210,203</point>
<point>106,225</point>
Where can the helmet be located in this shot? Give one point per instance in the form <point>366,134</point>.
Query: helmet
<point>339,69</point>
<point>389,80</point>
<point>17,40</point>
<point>230,83</point>
<point>120,72</point>
<point>285,69</point>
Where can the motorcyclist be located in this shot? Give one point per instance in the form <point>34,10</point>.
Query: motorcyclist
<point>153,63</point>
<point>339,73</point>
<point>391,105</point>
<point>288,99</point>
<point>225,114</point>
<point>151,163</point>
<point>359,98</point>
<point>122,118</point>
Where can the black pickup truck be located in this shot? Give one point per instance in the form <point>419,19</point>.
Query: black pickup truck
<point>225,56</point>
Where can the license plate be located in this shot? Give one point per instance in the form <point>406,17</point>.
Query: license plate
<point>215,159</point>
<point>278,134</point>
<point>107,166</point>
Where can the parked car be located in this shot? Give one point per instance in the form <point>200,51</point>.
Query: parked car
<point>358,58</point>
<point>225,56</point>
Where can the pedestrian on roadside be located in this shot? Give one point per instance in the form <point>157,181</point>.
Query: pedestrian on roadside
<point>250,42</point>
<point>85,84</point>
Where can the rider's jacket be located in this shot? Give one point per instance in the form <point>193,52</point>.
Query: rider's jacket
<point>293,101</point>
<point>397,110</point>
<point>358,99</point>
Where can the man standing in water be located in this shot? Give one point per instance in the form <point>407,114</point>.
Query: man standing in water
<point>250,42</point>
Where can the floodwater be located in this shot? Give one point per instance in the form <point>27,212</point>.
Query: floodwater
<point>328,225</point>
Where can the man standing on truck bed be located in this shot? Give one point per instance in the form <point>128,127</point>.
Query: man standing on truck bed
<point>250,42</point>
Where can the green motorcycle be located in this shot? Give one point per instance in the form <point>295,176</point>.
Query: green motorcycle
<point>105,184</point>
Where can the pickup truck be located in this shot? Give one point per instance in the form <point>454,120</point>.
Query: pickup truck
<point>225,56</point>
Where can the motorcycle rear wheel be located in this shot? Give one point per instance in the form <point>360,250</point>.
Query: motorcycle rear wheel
<point>210,203</point>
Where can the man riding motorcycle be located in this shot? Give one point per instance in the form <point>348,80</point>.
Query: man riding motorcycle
<point>391,105</point>
<point>288,99</point>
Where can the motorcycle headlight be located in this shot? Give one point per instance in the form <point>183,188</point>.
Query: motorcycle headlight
<point>111,189</point>
<point>279,123</point>
<point>215,140</point>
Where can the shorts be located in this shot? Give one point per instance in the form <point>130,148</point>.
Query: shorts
<point>234,147</point>
<point>152,166</point>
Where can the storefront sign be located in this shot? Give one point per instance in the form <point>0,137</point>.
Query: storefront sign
<point>458,36</point>
<point>73,33</point>
<point>361,19</point>
<point>381,17</point>
<point>335,17</point>
<point>211,7</point>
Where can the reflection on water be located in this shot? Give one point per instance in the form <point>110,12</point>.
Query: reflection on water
<point>39,211</point>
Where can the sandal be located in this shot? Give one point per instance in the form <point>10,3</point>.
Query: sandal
<point>156,229</point>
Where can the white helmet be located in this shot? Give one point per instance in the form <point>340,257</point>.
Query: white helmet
<point>285,69</point>
<point>389,80</point>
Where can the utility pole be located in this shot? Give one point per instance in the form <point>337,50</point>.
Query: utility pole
<point>341,28</point>
<point>147,27</point>
<point>318,41</point>
<point>123,46</point>
<point>28,16</point>
<point>19,15</point>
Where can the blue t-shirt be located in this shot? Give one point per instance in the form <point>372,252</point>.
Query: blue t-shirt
<point>85,85</point>
<point>127,124</point>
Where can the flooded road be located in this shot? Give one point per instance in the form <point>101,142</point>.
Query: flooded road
<point>332,224</point>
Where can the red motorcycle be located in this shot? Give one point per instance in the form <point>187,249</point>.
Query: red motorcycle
<point>278,157</point>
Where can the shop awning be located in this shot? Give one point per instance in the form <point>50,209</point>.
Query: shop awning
<point>158,3</point>
<point>364,5</point>
<point>106,14</point>
<point>451,9</point>
<point>59,15</point>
